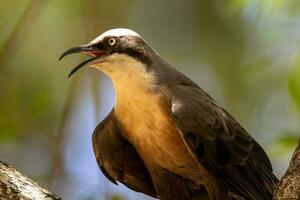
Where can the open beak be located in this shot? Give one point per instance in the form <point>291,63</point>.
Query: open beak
<point>90,50</point>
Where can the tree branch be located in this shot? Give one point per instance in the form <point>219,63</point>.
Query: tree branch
<point>14,185</point>
<point>289,186</point>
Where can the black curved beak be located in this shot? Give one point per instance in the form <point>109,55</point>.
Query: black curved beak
<point>90,50</point>
<point>72,50</point>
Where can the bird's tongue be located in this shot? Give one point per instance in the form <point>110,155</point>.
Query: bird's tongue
<point>97,53</point>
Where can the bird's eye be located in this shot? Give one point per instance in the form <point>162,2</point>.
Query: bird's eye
<point>112,41</point>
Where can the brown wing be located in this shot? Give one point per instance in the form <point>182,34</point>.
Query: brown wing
<point>118,160</point>
<point>221,145</point>
<point>171,186</point>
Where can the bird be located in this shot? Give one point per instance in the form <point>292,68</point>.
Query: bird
<point>165,136</point>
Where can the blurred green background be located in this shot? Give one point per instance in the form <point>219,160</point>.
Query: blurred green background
<point>244,53</point>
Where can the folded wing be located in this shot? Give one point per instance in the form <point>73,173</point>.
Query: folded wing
<point>221,145</point>
<point>118,160</point>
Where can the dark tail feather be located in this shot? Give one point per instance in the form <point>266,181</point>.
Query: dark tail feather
<point>255,177</point>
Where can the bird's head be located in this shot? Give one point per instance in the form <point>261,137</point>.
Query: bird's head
<point>113,50</point>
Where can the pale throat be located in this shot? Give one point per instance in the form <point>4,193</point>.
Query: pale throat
<point>130,78</point>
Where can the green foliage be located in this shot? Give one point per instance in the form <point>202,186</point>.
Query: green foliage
<point>117,197</point>
<point>294,84</point>
<point>287,141</point>
<point>10,15</point>
<point>284,144</point>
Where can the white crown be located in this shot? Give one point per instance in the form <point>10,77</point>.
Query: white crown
<point>115,32</point>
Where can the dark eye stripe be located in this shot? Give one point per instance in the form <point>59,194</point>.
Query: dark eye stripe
<point>99,45</point>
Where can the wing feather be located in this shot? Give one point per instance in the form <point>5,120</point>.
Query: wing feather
<point>117,158</point>
<point>221,144</point>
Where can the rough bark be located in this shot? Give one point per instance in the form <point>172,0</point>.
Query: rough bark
<point>289,186</point>
<point>15,186</point>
